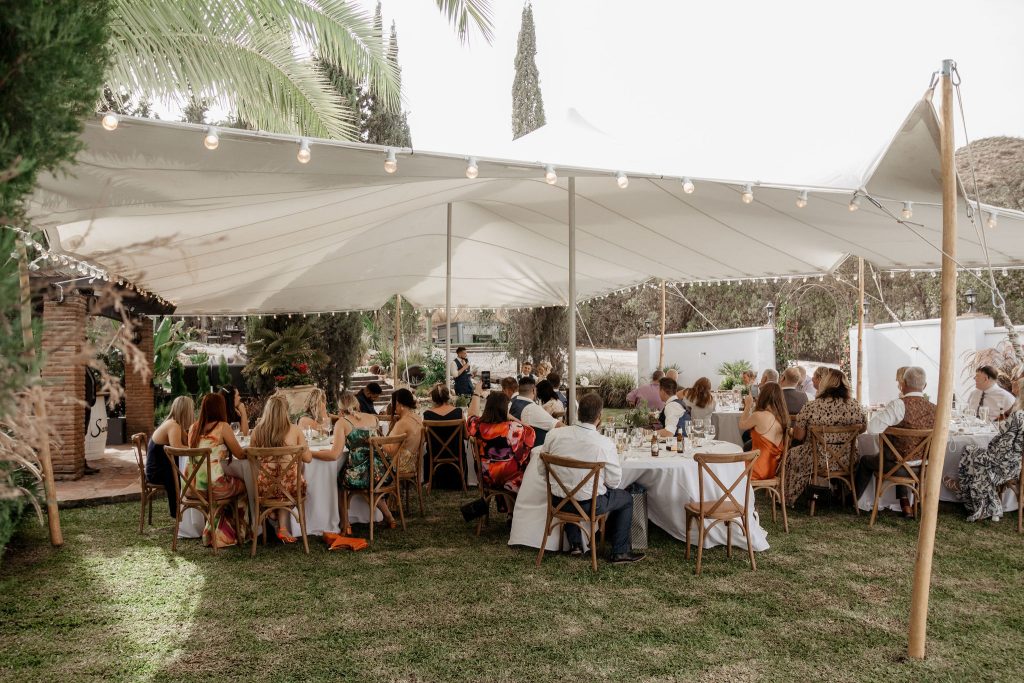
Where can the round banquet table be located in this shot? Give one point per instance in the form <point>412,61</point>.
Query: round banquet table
<point>727,422</point>
<point>671,482</point>
<point>867,444</point>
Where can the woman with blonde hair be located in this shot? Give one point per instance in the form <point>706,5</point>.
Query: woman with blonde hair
<point>275,430</point>
<point>543,368</point>
<point>314,414</point>
<point>834,406</point>
<point>355,429</point>
<point>171,432</point>
<point>698,399</point>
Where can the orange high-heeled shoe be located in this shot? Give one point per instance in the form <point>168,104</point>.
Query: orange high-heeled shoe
<point>284,537</point>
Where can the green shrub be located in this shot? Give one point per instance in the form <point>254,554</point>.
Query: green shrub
<point>613,387</point>
<point>223,372</point>
<point>732,373</point>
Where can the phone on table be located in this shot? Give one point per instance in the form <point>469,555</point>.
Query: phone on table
<point>485,379</point>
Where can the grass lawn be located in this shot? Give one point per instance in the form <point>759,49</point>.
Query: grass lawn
<point>828,602</point>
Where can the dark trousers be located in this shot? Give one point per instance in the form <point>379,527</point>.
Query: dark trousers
<point>158,471</point>
<point>868,467</point>
<point>619,506</point>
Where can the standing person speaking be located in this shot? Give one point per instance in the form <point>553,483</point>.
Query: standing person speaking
<point>460,373</point>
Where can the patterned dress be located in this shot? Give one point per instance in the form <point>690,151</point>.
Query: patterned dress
<point>356,474</point>
<point>504,450</point>
<point>983,469</point>
<point>821,412</point>
<point>222,486</point>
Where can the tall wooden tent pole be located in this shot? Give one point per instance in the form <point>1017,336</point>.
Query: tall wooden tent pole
<point>933,476</point>
<point>860,330</point>
<point>572,302</point>
<point>661,347</point>
<point>448,294</point>
<point>398,332</point>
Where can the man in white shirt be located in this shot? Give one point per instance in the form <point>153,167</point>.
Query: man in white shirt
<point>525,408</point>
<point>989,394</point>
<point>673,415</point>
<point>460,373</point>
<point>582,442</point>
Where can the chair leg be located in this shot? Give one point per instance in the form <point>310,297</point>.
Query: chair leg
<point>255,536</point>
<point>728,539</point>
<point>401,510</point>
<point>750,548</point>
<point>593,548</point>
<point>700,542</point>
<point>462,477</point>
<point>419,495</point>
<point>689,518</point>
<point>544,539</point>
<point>177,525</point>
<point>785,516</point>
<point>430,476</point>
<point>142,516</point>
<point>772,496</point>
<point>878,496</point>
<point>302,526</point>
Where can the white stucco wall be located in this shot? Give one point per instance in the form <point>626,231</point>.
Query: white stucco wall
<point>698,354</point>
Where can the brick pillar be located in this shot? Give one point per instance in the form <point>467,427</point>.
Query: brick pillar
<point>138,394</point>
<point>64,381</point>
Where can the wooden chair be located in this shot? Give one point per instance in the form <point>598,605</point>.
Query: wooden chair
<point>822,449</point>
<point>271,469</point>
<point>902,472</point>
<point>558,515</point>
<point>382,484</point>
<point>487,493</point>
<point>449,452</point>
<point>190,496</point>
<point>776,486</point>
<point>726,509</point>
<point>414,479</point>
<point>149,491</point>
<point>1017,484</point>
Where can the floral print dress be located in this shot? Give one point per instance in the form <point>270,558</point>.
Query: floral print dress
<point>222,486</point>
<point>504,450</point>
<point>356,473</point>
<point>821,412</point>
<point>984,469</point>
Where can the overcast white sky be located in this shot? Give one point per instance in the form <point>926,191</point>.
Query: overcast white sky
<point>824,82</point>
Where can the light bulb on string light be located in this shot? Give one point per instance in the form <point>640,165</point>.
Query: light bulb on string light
<point>472,170</point>
<point>748,194</point>
<point>908,211</point>
<point>391,162</point>
<point>1005,272</point>
<point>913,274</point>
<point>211,141</point>
<point>550,177</point>
<point>304,155</point>
<point>854,203</point>
<point>621,180</point>
<point>688,187</point>
<point>110,121</point>
<point>991,221</point>
<point>801,199</point>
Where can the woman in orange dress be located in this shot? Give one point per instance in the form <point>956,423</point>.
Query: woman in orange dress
<point>767,421</point>
<point>275,430</point>
<point>212,431</point>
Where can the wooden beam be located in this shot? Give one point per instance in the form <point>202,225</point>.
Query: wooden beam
<point>860,330</point>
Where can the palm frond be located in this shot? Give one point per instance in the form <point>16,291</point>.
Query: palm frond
<point>461,12</point>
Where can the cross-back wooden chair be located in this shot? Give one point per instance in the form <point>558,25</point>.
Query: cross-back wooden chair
<point>1018,486</point>
<point>487,493</point>
<point>442,452</point>
<point>272,469</point>
<point>558,515</point>
<point>726,509</point>
<point>414,479</point>
<point>190,496</point>
<point>776,486</point>
<point>831,454</point>
<point>382,483</point>
<point>150,491</point>
<point>908,469</point>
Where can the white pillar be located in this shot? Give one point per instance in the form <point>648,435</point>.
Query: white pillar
<point>448,297</point>
<point>572,301</point>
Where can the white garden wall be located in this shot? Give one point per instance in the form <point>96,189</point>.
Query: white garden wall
<point>698,354</point>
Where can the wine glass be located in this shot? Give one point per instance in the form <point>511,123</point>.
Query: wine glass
<point>236,428</point>
<point>697,428</point>
<point>710,430</point>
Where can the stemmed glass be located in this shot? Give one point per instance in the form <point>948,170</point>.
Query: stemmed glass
<point>236,428</point>
<point>710,430</point>
<point>697,428</point>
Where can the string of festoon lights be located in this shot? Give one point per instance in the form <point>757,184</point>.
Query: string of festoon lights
<point>65,263</point>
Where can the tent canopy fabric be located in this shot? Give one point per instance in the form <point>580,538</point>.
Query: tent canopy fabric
<point>246,228</point>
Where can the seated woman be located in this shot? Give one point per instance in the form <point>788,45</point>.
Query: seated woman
<point>314,414</point>
<point>353,433</point>
<point>236,411</point>
<point>549,400</point>
<point>983,469</point>
<point>405,422</point>
<point>442,409</point>
<point>211,430</point>
<point>767,421</point>
<point>698,399</point>
<point>543,370</point>
<point>503,445</point>
<point>172,432</point>
<point>274,430</point>
<point>833,407</point>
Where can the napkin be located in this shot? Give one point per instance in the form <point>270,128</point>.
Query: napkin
<point>337,542</point>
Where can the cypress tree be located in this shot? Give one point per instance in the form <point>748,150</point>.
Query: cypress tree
<point>527,103</point>
<point>383,127</point>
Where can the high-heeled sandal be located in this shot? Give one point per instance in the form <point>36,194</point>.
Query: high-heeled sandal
<point>284,537</point>
<point>347,531</point>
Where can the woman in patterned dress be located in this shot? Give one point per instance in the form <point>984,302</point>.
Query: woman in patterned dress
<point>984,468</point>
<point>212,431</point>
<point>504,445</point>
<point>353,433</point>
<point>833,407</point>
<point>274,431</point>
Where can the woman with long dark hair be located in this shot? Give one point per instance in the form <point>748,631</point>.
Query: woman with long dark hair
<point>234,408</point>
<point>698,399</point>
<point>503,445</point>
<point>767,421</point>
<point>211,430</point>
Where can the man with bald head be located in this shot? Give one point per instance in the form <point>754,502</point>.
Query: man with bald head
<point>790,383</point>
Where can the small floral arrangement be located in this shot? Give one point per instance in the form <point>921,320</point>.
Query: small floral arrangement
<point>293,375</point>
<point>639,417</point>
<point>584,381</point>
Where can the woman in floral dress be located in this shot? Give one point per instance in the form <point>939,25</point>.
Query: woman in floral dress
<point>504,445</point>
<point>833,407</point>
<point>274,430</point>
<point>212,431</point>
<point>353,433</point>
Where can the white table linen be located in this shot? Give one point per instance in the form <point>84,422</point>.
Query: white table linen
<point>671,482</point>
<point>727,422</point>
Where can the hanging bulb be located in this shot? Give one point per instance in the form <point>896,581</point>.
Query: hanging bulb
<point>855,203</point>
<point>110,121</point>
<point>1005,272</point>
<point>908,211</point>
<point>472,170</point>
<point>913,274</point>
<point>688,187</point>
<point>622,180</point>
<point>391,163</point>
<point>991,221</point>
<point>892,274</point>
<point>550,177</point>
<point>304,154</point>
<point>212,140</point>
<point>801,200</point>
<point>748,194</point>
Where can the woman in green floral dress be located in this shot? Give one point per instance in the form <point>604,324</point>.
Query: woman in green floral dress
<point>354,431</point>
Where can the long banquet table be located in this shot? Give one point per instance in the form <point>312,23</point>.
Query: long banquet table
<point>671,482</point>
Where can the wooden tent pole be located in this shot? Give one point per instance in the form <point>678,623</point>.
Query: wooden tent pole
<point>933,475</point>
<point>39,405</point>
<point>398,332</point>
<point>448,295</point>
<point>661,348</point>
<point>860,330</point>
<point>571,412</point>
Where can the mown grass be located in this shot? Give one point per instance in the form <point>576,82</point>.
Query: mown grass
<point>828,602</point>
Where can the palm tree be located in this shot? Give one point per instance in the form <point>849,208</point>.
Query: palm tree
<point>250,56</point>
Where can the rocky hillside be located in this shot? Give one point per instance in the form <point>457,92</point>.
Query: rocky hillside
<point>999,165</point>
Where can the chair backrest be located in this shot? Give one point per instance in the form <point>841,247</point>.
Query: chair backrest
<point>185,483</point>
<point>704,470</point>
<point>141,442</point>
<point>820,444</point>
<point>891,440</point>
<point>389,462</point>
<point>568,496</point>
<point>451,447</point>
<point>272,467</point>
